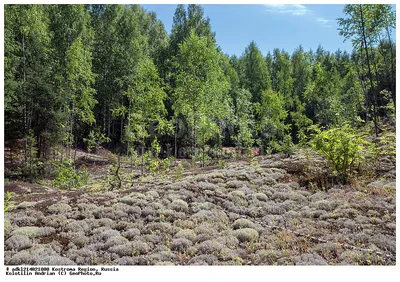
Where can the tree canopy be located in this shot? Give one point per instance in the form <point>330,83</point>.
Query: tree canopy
<point>112,72</point>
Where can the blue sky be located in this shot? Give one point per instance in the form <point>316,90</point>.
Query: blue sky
<point>270,26</point>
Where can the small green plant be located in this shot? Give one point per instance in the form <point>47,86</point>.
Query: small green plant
<point>68,177</point>
<point>202,155</point>
<point>166,164</point>
<point>287,146</point>
<point>95,138</point>
<point>222,164</point>
<point>254,162</point>
<point>179,171</point>
<point>284,146</point>
<point>341,146</point>
<point>7,201</point>
<point>114,178</point>
<point>155,148</point>
<point>33,166</point>
<point>133,157</point>
<point>153,165</point>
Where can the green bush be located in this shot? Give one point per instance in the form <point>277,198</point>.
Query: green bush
<point>166,164</point>
<point>68,177</point>
<point>153,164</point>
<point>95,138</point>
<point>284,146</point>
<point>341,146</point>
<point>7,201</point>
<point>179,171</point>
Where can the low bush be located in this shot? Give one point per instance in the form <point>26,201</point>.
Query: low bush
<point>342,147</point>
<point>7,201</point>
<point>68,177</point>
<point>246,235</point>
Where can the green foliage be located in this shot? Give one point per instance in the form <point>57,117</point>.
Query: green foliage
<point>179,169</point>
<point>155,148</point>
<point>254,75</point>
<point>114,177</point>
<point>271,125</point>
<point>388,144</point>
<point>95,139</point>
<point>153,164</point>
<point>341,146</point>
<point>8,204</point>
<point>244,118</point>
<point>284,146</point>
<point>201,92</point>
<point>254,163</point>
<point>68,177</point>
<point>202,155</point>
<point>166,164</point>
<point>7,201</point>
<point>109,73</point>
<point>222,164</point>
<point>33,165</point>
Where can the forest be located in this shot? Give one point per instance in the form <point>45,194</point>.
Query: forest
<point>99,99</point>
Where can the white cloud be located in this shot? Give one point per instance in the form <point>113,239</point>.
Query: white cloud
<point>324,22</point>
<point>296,10</point>
<point>293,9</point>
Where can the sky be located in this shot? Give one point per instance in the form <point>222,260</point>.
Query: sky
<point>283,26</point>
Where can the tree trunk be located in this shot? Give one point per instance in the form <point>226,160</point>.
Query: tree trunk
<point>176,139</point>
<point>104,118</point>
<point>369,69</point>
<point>129,130</point>
<point>393,78</point>
<point>26,129</point>
<point>203,151</point>
<point>108,123</point>
<point>194,135</point>
<point>142,147</point>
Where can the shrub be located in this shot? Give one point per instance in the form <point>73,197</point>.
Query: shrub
<point>18,243</point>
<point>209,246</point>
<point>107,234</point>
<point>24,220</point>
<point>139,248</point>
<point>180,244</point>
<point>229,241</point>
<point>266,257</point>
<point>78,226</point>
<point>180,205</point>
<point>59,208</point>
<point>131,233</point>
<point>114,241</point>
<point>29,231</point>
<point>95,138</point>
<point>53,260</point>
<point>7,201</point>
<point>127,260</point>
<point>187,234</point>
<point>310,259</point>
<point>163,227</point>
<point>46,231</point>
<point>242,223</point>
<point>68,177</point>
<point>179,171</point>
<point>21,258</point>
<point>204,260</point>
<point>341,146</point>
<point>246,234</point>
<point>166,164</point>
<point>78,238</point>
<point>24,205</point>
